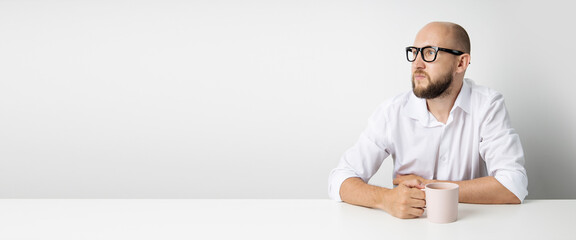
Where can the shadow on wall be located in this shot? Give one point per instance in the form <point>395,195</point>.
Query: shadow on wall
<point>546,133</point>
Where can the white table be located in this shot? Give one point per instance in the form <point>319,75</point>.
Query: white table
<point>272,219</point>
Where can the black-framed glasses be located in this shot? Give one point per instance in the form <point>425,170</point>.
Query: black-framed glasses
<point>429,53</point>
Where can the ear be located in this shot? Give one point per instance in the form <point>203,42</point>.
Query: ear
<point>463,62</point>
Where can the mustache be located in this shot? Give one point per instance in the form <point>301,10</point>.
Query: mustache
<point>420,72</point>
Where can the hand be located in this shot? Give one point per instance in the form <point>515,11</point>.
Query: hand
<point>406,200</point>
<point>402,178</point>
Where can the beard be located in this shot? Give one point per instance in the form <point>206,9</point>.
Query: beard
<point>434,89</point>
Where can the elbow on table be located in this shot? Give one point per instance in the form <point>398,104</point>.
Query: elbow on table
<point>508,197</point>
<point>514,200</point>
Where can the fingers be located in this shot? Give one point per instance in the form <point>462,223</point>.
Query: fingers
<point>410,202</point>
<point>411,180</point>
<point>412,190</point>
<point>400,178</point>
<point>417,212</point>
<point>417,193</point>
<point>417,198</point>
<point>411,210</point>
<point>413,183</point>
<point>416,207</point>
<point>417,203</point>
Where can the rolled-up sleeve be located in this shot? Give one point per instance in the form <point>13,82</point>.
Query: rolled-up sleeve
<point>362,160</point>
<point>501,149</point>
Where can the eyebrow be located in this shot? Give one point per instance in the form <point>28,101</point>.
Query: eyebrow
<point>425,46</point>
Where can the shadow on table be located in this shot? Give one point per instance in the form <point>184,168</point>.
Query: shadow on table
<point>464,213</point>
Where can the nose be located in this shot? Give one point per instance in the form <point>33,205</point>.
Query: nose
<point>418,62</point>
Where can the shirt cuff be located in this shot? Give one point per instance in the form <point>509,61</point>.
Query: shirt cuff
<point>516,183</point>
<point>337,177</point>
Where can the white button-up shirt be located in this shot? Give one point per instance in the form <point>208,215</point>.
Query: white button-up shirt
<point>476,141</point>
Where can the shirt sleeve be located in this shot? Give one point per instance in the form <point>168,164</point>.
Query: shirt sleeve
<point>363,159</point>
<point>501,149</point>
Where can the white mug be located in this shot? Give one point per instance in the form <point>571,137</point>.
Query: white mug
<point>442,202</point>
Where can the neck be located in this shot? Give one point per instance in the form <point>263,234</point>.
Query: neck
<point>441,106</point>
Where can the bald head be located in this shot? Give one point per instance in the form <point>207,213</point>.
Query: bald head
<point>446,34</point>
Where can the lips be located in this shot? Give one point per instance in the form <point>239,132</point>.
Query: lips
<point>419,75</point>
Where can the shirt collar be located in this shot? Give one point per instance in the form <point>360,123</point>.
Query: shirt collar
<point>463,99</point>
<point>416,107</point>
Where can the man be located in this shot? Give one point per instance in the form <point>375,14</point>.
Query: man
<point>446,129</point>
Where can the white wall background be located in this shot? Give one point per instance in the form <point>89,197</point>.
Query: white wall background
<point>251,99</point>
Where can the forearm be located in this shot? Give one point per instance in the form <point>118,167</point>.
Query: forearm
<point>404,201</point>
<point>485,190</point>
<point>355,191</point>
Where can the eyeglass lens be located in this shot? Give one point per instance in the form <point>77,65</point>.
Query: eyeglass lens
<point>428,54</point>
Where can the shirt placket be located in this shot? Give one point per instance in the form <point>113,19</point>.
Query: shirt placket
<point>442,163</point>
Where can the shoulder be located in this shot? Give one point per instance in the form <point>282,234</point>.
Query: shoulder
<point>394,104</point>
<point>487,105</point>
<point>391,110</point>
<point>482,96</point>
